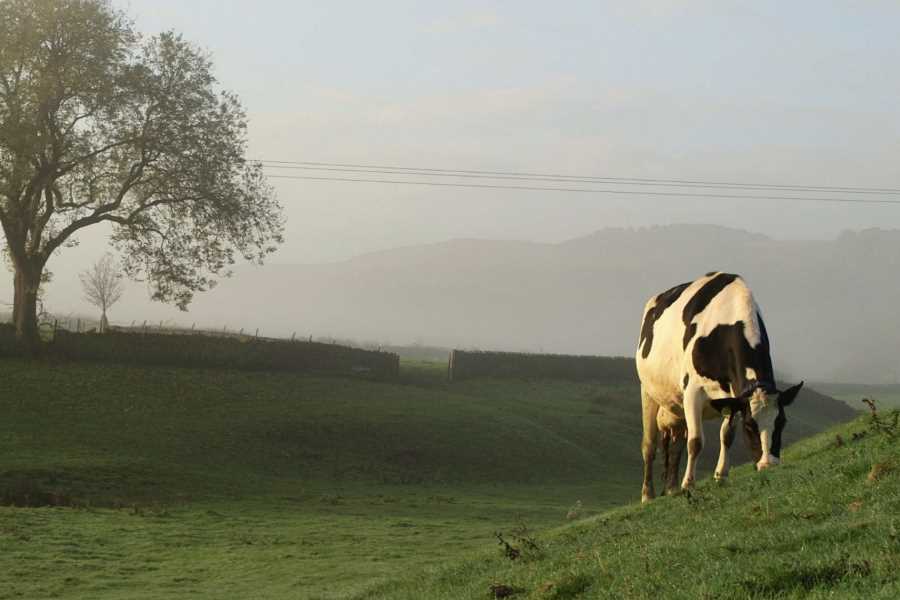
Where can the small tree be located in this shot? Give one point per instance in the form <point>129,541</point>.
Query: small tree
<point>102,285</point>
<point>102,126</point>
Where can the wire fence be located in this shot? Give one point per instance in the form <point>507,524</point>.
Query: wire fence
<point>50,325</point>
<point>78,338</point>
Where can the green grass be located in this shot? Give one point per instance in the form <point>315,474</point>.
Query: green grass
<point>317,544</point>
<point>819,526</point>
<point>208,483</point>
<point>204,483</point>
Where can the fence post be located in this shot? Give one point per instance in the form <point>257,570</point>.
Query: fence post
<point>257,333</point>
<point>78,326</point>
<point>55,327</point>
<point>450,365</point>
<point>145,325</point>
<point>294,336</point>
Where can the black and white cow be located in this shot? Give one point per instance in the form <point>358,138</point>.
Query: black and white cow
<point>704,353</point>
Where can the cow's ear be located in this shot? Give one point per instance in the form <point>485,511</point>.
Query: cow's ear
<point>787,396</point>
<point>733,404</point>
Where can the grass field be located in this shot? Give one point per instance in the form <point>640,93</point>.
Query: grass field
<point>826,524</point>
<point>215,484</point>
<point>120,482</point>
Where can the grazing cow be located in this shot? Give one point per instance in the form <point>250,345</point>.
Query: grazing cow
<point>704,353</point>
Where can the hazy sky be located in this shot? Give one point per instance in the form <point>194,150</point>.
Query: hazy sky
<point>798,92</point>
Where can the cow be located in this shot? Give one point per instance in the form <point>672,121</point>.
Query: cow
<point>703,353</point>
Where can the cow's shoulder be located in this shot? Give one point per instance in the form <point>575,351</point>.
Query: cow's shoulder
<point>653,310</point>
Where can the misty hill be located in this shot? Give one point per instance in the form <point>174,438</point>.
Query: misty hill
<point>831,306</point>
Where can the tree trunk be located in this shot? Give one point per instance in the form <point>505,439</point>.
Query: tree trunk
<point>27,282</point>
<point>104,322</point>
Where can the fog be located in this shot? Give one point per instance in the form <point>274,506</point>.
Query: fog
<point>770,94</point>
<point>830,305</point>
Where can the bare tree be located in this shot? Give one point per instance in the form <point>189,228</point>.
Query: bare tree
<point>100,125</point>
<point>102,285</point>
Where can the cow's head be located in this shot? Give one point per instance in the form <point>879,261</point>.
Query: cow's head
<point>764,420</point>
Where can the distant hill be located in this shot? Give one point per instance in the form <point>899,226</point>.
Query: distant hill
<point>831,306</point>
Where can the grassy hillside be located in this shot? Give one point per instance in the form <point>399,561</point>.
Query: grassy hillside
<point>824,525</point>
<point>147,483</point>
<point>234,431</point>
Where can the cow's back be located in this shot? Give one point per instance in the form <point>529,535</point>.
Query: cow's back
<point>673,322</point>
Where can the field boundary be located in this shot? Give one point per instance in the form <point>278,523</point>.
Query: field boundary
<point>469,364</point>
<point>206,350</point>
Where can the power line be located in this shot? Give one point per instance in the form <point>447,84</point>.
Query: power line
<point>402,170</point>
<point>748,187</point>
<point>589,190</point>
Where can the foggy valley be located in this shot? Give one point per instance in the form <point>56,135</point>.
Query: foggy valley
<point>830,304</point>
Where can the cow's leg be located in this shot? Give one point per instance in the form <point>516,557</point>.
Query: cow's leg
<point>649,410</point>
<point>726,437</point>
<point>677,440</point>
<point>665,436</point>
<point>694,399</point>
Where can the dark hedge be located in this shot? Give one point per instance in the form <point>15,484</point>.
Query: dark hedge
<point>208,351</point>
<point>466,364</point>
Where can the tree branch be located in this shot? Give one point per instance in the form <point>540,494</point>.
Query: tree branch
<point>74,163</point>
<point>102,214</point>
<point>51,194</point>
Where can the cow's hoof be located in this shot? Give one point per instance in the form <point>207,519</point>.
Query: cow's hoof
<point>646,498</point>
<point>687,485</point>
<point>721,478</point>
